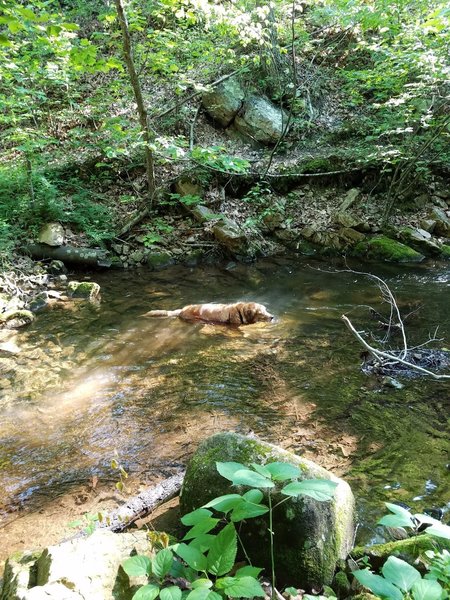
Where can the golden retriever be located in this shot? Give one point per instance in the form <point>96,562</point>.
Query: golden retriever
<point>240,313</point>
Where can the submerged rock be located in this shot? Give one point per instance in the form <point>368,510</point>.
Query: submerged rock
<point>310,536</point>
<point>84,289</point>
<point>14,319</point>
<point>159,260</point>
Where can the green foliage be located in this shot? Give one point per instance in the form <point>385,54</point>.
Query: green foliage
<point>398,579</point>
<point>155,232</point>
<point>205,559</point>
<point>216,158</point>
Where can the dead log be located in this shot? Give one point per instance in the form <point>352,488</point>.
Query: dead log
<point>89,257</point>
<point>141,505</point>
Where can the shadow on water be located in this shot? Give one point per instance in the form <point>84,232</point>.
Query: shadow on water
<point>92,379</point>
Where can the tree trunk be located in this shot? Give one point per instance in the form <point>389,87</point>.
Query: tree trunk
<point>143,117</point>
<point>143,504</point>
<point>88,257</point>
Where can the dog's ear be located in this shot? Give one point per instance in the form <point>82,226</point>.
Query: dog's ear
<point>250,312</point>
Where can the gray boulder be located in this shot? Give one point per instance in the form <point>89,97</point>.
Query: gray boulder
<point>261,120</point>
<point>442,226</point>
<point>52,234</point>
<point>310,536</point>
<point>420,240</point>
<point>223,101</point>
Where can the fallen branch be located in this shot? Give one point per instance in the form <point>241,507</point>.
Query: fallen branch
<point>70,254</point>
<point>379,354</point>
<point>142,504</point>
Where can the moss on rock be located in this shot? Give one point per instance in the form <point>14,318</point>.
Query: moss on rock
<point>445,252</point>
<point>84,289</point>
<point>310,536</point>
<point>384,248</point>
<point>408,550</point>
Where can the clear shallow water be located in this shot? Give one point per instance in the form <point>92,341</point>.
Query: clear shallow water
<point>94,379</point>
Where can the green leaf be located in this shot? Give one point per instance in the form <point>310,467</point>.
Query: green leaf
<point>4,41</point>
<point>248,510</point>
<point>137,566</point>
<point>225,503</point>
<point>192,556</point>
<point>248,570</point>
<point>202,542</point>
<point>27,13</point>
<point>172,592</point>
<point>223,551</point>
<point>162,563</point>
<point>202,582</point>
<point>395,521</point>
<point>426,589</point>
<point>196,516</point>
<point>240,587</point>
<point>247,477</point>
<point>201,527</point>
<point>292,591</point>
<point>200,593</point>
<point>282,471</point>
<point>400,573</point>
<point>400,517</point>
<point>262,470</point>
<point>254,496</point>
<point>228,469</point>
<point>319,489</point>
<point>439,530</point>
<point>147,592</point>
<point>378,585</point>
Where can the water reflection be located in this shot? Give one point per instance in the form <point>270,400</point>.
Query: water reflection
<point>90,379</point>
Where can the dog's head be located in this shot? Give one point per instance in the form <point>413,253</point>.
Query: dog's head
<point>254,313</point>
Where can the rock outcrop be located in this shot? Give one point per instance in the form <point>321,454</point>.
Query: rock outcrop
<point>310,536</point>
<point>85,567</point>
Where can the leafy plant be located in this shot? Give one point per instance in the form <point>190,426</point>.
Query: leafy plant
<point>188,199</point>
<point>399,580</point>
<point>155,232</point>
<point>204,561</point>
<point>216,158</point>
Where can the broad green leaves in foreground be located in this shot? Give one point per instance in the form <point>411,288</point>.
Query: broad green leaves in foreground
<point>205,559</point>
<point>398,579</point>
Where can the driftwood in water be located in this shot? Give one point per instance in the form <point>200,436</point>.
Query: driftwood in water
<point>70,254</point>
<point>142,504</point>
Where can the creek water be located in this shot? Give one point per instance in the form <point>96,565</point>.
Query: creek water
<point>94,379</point>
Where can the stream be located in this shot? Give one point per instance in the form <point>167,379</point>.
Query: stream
<point>98,381</point>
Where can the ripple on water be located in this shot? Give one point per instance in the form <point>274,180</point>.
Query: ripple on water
<point>90,381</point>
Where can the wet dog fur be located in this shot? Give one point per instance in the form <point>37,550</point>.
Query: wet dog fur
<point>239,313</point>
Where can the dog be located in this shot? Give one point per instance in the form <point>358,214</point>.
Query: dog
<point>240,313</point>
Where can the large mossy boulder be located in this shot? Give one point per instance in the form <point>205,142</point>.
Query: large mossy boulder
<point>222,102</point>
<point>261,120</point>
<point>310,536</point>
<point>384,248</point>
